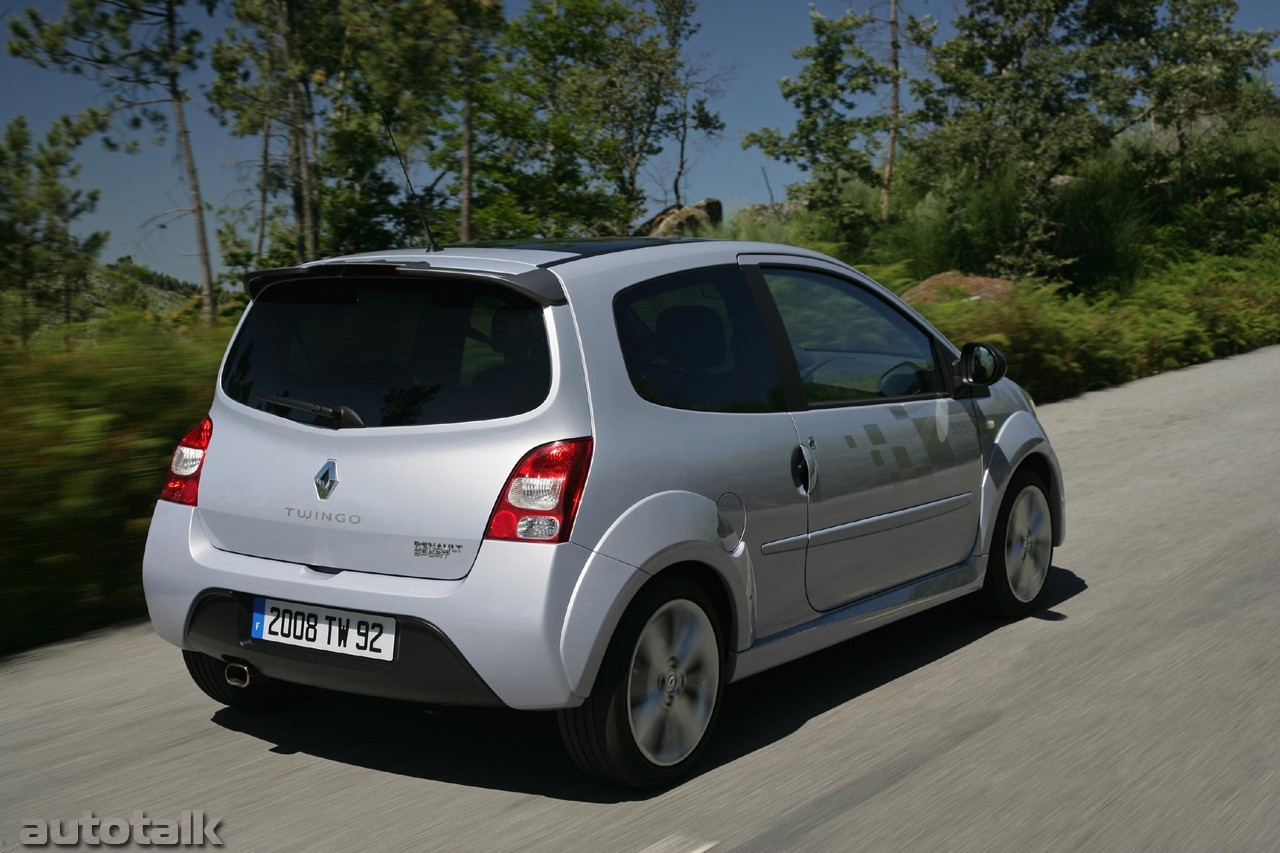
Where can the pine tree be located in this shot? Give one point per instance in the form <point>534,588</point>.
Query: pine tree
<point>43,266</point>
<point>139,53</point>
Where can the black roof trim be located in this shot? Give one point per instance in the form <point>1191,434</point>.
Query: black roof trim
<point>581,247</point>
<point>540,285</point>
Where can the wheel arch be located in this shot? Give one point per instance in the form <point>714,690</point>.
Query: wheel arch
<point>731,610</point>
<point>601,733</point>
<point>1021,444</point>
<point>713,584</point>
<point>1039,464</point>
<point>625,561</point>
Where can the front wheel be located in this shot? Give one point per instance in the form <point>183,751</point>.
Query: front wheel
<point>658,693</point>
<point>1021,548</point>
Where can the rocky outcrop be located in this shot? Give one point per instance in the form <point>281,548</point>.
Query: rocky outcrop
<point>946,286</point>
<point>781,211</point>
<point>677,221</point>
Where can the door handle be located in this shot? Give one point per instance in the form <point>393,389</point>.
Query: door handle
<point>804,469</point>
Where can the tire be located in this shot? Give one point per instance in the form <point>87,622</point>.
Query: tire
<point>262,696</point>
<point>1021,548</point>
<point>658,694</point>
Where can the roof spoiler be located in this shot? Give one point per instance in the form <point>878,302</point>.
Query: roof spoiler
<point>540,285</point>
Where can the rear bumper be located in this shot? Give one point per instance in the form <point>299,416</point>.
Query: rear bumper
<point>527,626</point>
<point>427,667</point>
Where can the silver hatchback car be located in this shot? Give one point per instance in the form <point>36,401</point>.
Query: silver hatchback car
<point>606,477</point>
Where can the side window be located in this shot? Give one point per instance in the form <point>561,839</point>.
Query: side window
<point>694,340</point>
<point>850,345</point>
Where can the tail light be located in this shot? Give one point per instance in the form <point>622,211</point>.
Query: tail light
<point>183,484</point>
<point>540,499</point>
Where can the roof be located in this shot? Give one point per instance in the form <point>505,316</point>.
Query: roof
<point>583,247</point>
<point>522,264</point>
<point>534,252</point>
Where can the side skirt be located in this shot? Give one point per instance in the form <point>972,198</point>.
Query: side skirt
<point>859,617</point>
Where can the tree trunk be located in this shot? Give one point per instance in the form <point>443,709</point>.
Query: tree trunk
<point>26,299</point>
<point>468,96</point>
<point>682,138</point>
<point>311,169</point>
<point>264,178</point>
<point>292,160</point>
<point>68,297</point>
<point>176,96</point>
<point>295,190</point>
<point>300,178</point>
<point>895,109</point>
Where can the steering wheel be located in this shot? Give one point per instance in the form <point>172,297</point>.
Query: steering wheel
<point>901,380</point>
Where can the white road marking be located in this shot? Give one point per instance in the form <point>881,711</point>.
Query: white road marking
<point>679,844</point>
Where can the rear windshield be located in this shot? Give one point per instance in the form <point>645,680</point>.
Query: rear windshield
<point>393,353</point>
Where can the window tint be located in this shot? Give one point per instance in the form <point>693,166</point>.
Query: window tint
<point>849,344</point>
<point>694,340</point>
<point>397,353</point>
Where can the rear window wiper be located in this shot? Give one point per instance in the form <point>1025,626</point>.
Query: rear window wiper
<point>345,416</point>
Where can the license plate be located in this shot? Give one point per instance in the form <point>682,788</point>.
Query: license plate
<point>343,631</point>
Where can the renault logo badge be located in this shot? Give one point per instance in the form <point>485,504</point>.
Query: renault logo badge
<point>327,479</point>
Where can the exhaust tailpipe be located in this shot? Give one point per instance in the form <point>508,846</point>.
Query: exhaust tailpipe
<point>238,675</point>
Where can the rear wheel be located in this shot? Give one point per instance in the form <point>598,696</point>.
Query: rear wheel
<point>1021,548</point>
<point>261,695</point>
<point>658,693</point>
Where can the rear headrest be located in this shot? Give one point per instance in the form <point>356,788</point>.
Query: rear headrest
<point>691,336</point>
<point>512,333</point>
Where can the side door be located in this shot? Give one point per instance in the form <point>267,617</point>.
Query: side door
<point>893,465</point>
<point>706,407</point>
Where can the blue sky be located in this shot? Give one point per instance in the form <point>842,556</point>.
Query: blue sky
<point>751,39</point>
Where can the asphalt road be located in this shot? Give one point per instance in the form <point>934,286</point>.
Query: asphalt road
<point>1141,710</point>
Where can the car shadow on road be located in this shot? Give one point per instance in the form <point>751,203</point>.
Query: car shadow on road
<point>521,751</point>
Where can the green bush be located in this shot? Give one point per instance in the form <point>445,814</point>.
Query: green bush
<point>1104,223</point>
<point>1236,302</point>
<point>962,225</point>
<point>1061,345</point>
<point>1042,335</point>
<point>926,235</point>
<point>84,443</point>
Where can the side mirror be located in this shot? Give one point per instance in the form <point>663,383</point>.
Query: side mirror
<point>981,365</point>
